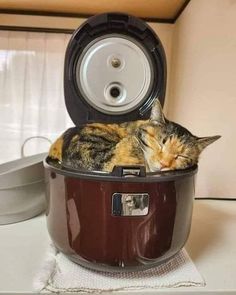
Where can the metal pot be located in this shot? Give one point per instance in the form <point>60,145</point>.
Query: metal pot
<point>22,189</point>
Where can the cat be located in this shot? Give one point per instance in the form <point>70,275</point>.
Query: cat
<point>157,143</point>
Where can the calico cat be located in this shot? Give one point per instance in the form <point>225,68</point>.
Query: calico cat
<point>157,143</point>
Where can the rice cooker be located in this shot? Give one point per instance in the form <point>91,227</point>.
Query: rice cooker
<point>129,219</point>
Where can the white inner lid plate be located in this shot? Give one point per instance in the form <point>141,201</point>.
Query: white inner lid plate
<point>114,74</point>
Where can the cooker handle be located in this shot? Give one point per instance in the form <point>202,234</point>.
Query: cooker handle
<point>128,170</point>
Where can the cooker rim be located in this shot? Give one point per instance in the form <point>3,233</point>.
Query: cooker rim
<point>161,176</point>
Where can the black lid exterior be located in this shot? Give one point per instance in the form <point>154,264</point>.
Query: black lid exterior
<point>108,23</point>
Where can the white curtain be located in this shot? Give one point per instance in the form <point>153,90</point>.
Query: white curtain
<point>31,91</point>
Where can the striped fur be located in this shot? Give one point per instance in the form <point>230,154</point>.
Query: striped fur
<point>157,143</point>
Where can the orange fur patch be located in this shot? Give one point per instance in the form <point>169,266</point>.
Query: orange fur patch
<point>55,151</point>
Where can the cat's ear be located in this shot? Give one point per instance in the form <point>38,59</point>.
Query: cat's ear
<point>157,113</point>
<point>203,142</point>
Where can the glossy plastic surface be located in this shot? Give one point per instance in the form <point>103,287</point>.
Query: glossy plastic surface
<point>83,110</point>
<point>81,223</point>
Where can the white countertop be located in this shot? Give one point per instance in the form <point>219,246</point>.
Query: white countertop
<point>211,245</point>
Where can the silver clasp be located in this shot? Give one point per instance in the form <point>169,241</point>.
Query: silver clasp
<point>130,204</point>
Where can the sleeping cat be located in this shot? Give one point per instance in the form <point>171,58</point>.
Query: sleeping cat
<point>157,143</point>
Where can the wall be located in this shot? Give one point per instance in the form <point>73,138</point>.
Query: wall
<point>203,88</point>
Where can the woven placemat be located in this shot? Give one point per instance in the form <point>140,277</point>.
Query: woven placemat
<point>59,274</point>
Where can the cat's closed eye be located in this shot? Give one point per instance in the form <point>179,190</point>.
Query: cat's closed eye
<point>181,156</point>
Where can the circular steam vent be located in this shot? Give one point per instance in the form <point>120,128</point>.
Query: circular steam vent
<point>115,67</point>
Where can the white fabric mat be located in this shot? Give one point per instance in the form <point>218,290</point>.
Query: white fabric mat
<point>59,274</point>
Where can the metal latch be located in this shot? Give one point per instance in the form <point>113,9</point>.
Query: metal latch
<point>126,171</point>
<point>130,204</point>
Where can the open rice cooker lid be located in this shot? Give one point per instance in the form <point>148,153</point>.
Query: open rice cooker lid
<point>115,67</point>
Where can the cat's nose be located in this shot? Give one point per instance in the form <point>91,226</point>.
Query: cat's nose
<point>163,165</point>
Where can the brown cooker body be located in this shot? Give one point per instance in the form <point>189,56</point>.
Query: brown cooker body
<point>82,225</point>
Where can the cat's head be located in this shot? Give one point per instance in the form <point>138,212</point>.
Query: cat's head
<point>168,145</point>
